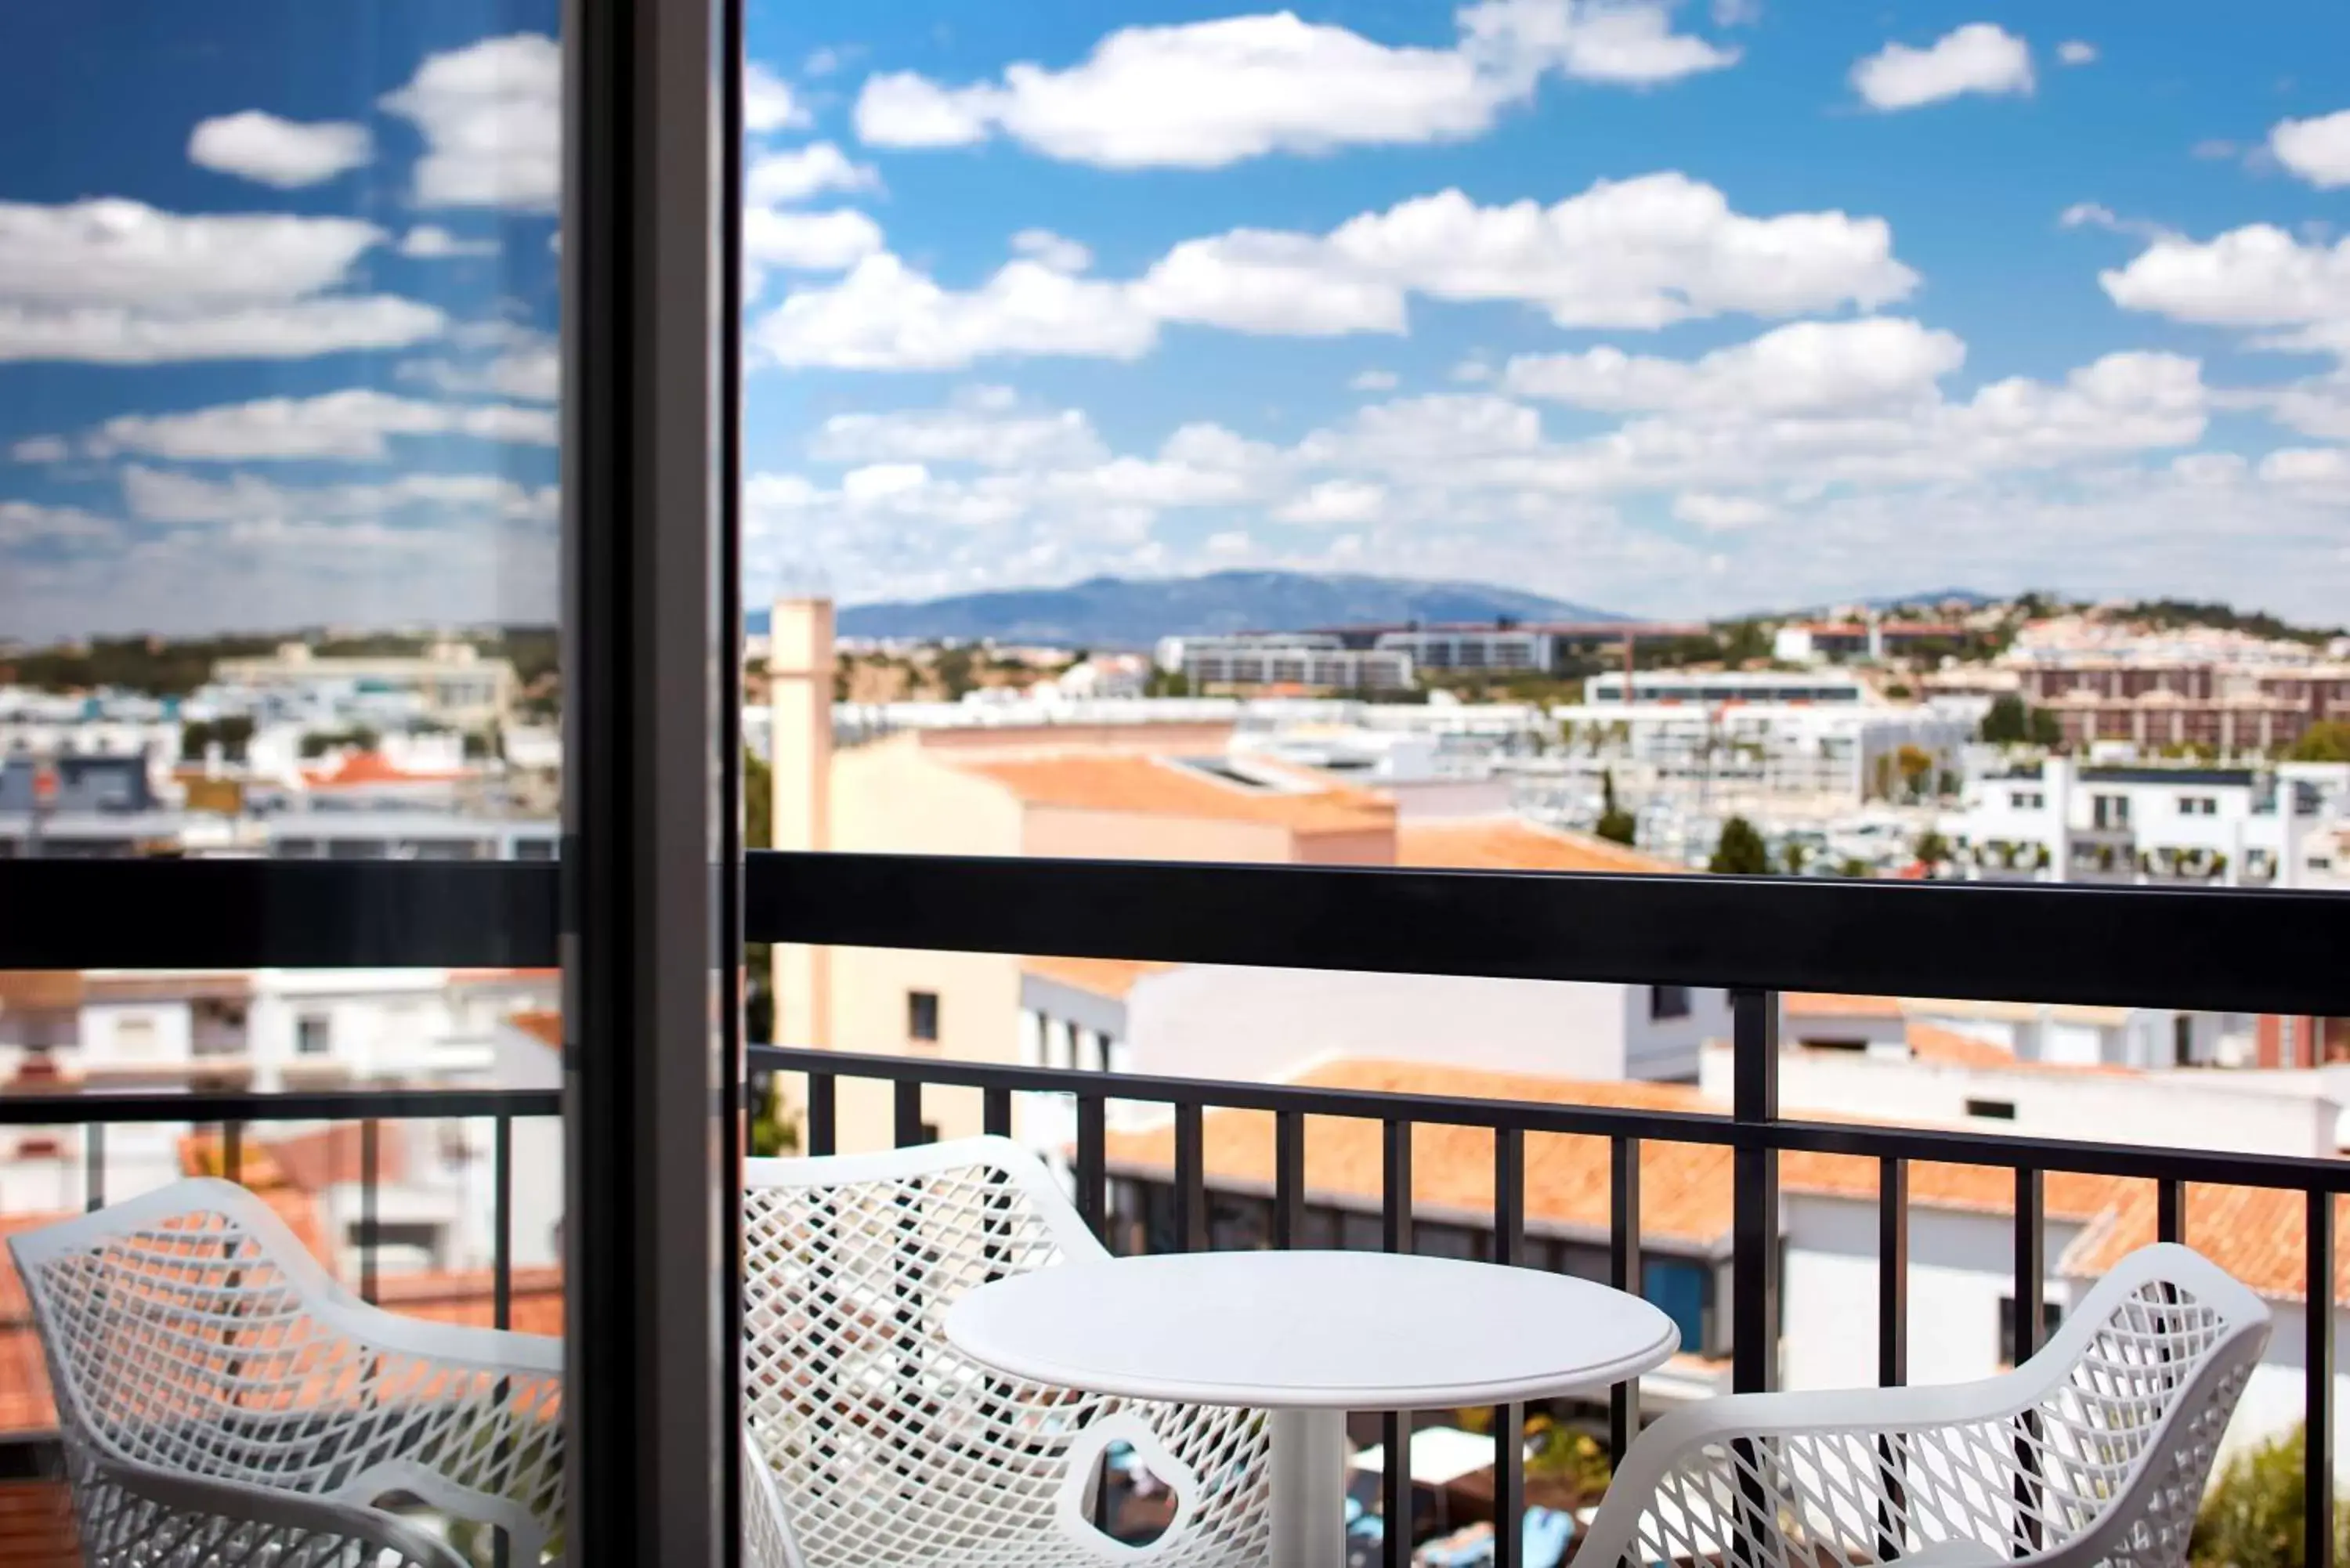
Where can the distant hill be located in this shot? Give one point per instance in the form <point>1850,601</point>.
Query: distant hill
<point>1122,612</point>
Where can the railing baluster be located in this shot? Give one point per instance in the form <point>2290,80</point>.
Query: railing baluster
<point>907,1117</point>
<point>1191,1180</point>
<point>93,1167</point>
<point>1395,1426</point>
<point>502,1283</point>
<point>1624,1272</point>
<point>367,1208</point>
<point>1288,1179</point>
<point>2171,1211</point>
<point>995,1112</point>
<point>2031,1275</point>
<point>1093,1142</point>
<point>1892,1344</point>
<point>823,1114</point>
<point>2317,1360</point>
<point>1509,1420</point>
<point>1754,1283</point>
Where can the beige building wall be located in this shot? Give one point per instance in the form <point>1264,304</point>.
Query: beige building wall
<point>1066,833</point>
<point>799,670</point>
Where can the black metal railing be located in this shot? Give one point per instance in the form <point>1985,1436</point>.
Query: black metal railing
<point>1753,938</point>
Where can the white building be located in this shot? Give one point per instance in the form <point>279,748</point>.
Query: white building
<point>2057,821</point>
<point>1288,658</point>
<point>453,682</point>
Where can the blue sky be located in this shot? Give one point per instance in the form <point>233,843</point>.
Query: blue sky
<point>1684,309</point>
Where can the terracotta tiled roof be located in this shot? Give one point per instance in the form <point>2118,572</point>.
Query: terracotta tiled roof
<point>493,976</point>
<point>1931,1043</point>
<point>1511,844</point>
<point>361,768</point>
<point>1160,786</point>
<point>40,988</point>
<point>2256,1233</point>
<point>1835,1005</point>
<point>542,1025</point>
<point>1113,978</point>
<point>36,1527</point>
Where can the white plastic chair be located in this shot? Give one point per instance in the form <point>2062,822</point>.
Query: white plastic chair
<point>224,1401</point>
<point>871,1440</point>
<point>2093,1451</point>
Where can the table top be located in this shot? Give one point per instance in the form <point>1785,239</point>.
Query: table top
<point>1310,1331</point>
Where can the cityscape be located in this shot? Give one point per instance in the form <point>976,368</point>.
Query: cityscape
<point>1516,440</point>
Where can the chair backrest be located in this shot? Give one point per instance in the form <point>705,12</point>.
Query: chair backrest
<point>884,1442</point>
<point>188,1333</point>
<point>2096,1450</point>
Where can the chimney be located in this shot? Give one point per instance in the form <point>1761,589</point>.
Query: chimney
<point>799,697</point>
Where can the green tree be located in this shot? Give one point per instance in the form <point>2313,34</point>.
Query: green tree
<point>2007,724</point>
<point>2046,729</point>
<point>1932,848</point>
<point>1854,866</point>
<point>1740,851</point>
<point>1916,765</point>
<point>2253,1517</point>
<point>2327,741</point>
<point>1615,823</point>
<point>1795,857</point>
<point>758,958</point>
<point>771,1133</point>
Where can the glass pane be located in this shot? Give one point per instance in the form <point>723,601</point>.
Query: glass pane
<point>278,408</point>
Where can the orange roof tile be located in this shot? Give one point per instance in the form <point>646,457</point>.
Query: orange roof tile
<point>1932,1042</point>
<point>542,1025</point>
<point>1159,786</point>
<point>361,768</point>
<point>1112,978</point>
<point>1511,844</point>
<point>1836,1005</point>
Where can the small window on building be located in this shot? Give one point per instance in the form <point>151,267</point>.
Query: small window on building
<point>2182,1040</point>
<point>923,1015</point>
<point>2051,1314</point>
<point>1668,1002</point>
<point>1992,1110</point>
<point>313,1035</point>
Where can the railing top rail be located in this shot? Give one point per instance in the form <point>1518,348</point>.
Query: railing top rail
<point>101,1106</point>
<point>1866,1139</point>
<point>2235,952</point>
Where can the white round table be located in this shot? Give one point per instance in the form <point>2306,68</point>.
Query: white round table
<point>1308,1337</point>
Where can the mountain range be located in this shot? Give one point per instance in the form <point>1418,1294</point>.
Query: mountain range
<point>1135,612</point>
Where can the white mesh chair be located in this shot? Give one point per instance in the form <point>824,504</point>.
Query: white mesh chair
<point>2093,1451</point>
<point>872,1441</point>
<point>225,1402</point>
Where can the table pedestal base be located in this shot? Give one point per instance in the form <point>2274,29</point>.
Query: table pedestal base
<point>1309,1488</point>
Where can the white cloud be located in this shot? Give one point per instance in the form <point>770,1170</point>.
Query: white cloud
<point>2318,150</point>
<point>1640,252</point>
<point>1206,94</point>
<point>350,425</point>
<point>2258,275</point>
<point>162,495</point>
<point>1049,249</point>
<point>430,242</point>
<point>528,364</point>
<point>768,102</point>
<point>2308,468</point>
<point>979,429</point>
<point>285,153</point>
<point>26,521</point>
<point>1980,57</point>
<point>1373,381</point>
<point>1336,502</point>
<point>2076,52</point>
<point>1722,513</point>
<point>41,449</point>
<point>806,242</point>
<point>796,173</point>
<point>1737,13</point>
<point>823,62</point>
<point>492,118</point>
<point>2098,215</point>
<point>1806,368</point>
<point>110,250</point>
<point>886,316</point>
<point>116,335</point>
<point>1230,542</point>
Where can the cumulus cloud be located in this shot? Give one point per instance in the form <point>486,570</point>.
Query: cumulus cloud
<point>1640,254</point>
<point>117,335</point>
<point>430,242</point>
<point>163,495</point>
<point>2255,276</point>
<point>526,364</point>
<point>1373,381</point>
<point>1206,94</point>
<point>985,427</point>
<point>886,316</point>
<point>285,153</point>
<point>806,242</point>
<point>1335,501</point>
<point>768,102</point>
<point>2318,150</point>
<point>41,449</point>
<point>794,173</point>
<point>351,424</point>
<point>2076,52</point>
<point>492,118</point>
<point>26,521</point>
<point>1722,513</point>
<point>1980,57</point>
<point>1049,249</point>
<point>1808,366</point>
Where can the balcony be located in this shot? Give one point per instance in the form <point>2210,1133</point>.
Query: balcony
<point>1717,1210</point>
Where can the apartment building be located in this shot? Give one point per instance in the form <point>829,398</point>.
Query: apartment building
<point>1307,660</point>
<point>452,683</point>
<point>1830,641</point>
